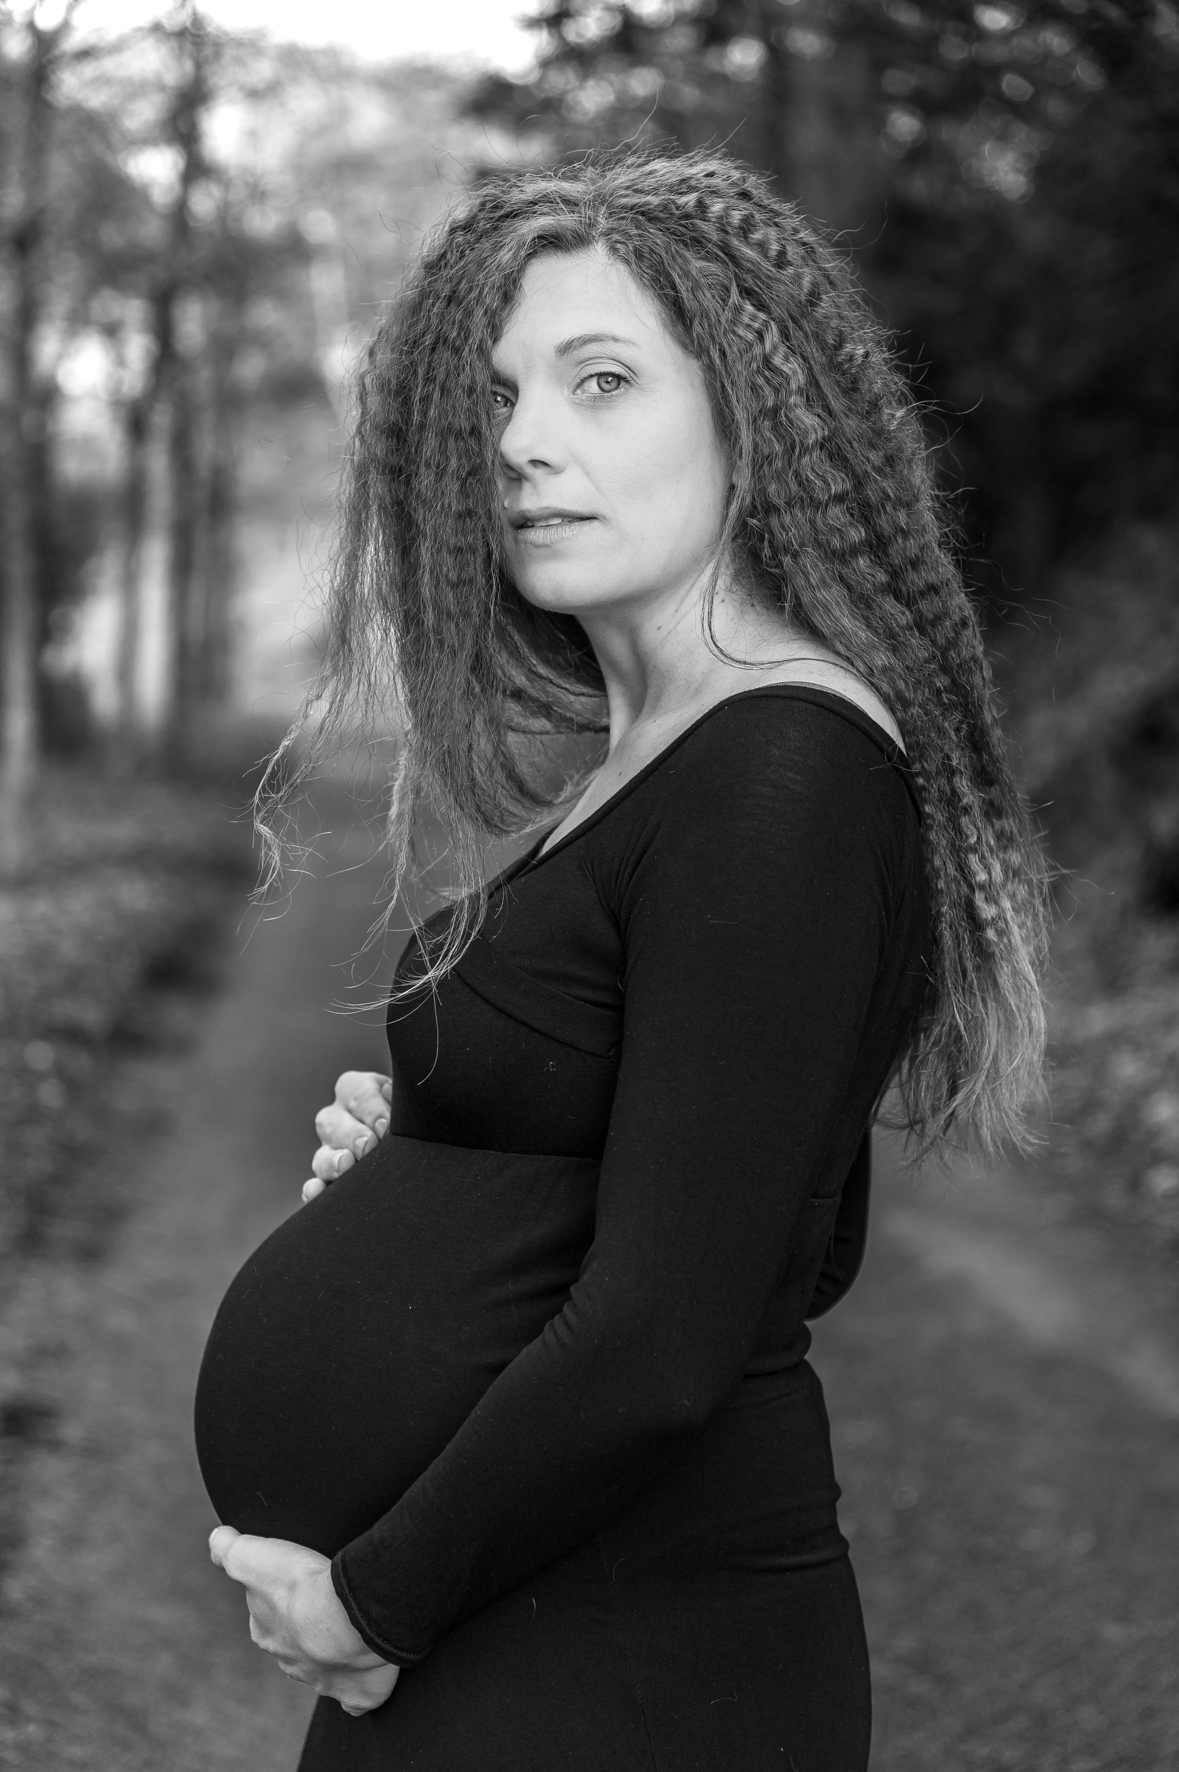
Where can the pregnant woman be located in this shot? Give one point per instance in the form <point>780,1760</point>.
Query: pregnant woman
<point>512,1431</point>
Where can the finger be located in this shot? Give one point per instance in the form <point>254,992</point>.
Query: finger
<point>342,1131</point>
<point>245,1557</point>
<point>328,1164</point>
<point>361,1692</point>
<point>221,1542</point>
<point>366,1095</point>
<point>353,1086</point>
<point>312,1189</point>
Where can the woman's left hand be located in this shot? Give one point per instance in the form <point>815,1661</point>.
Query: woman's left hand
<point>296,1616</point>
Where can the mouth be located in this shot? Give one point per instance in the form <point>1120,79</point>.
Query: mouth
<point>548,524</point>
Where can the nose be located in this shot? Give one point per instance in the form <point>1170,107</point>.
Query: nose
<point>531,442</point>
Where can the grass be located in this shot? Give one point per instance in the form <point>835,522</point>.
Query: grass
<point>1091,675</point>
<point>126,889</point>
<point>1114,1140</point>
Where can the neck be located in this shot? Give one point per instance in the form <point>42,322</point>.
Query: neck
<point>656,659</point>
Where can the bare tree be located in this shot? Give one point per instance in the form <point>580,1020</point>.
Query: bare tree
<point>165,380</point>
<point>29,71</point>
<point>218,556</point>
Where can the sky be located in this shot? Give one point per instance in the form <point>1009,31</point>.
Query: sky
<point>376,29</point>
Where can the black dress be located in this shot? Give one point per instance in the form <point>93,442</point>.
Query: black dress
<point>616,1546</point>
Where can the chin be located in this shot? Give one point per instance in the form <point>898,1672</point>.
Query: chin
<point>561,595</point>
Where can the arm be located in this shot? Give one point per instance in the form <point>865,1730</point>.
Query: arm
<point>753,925</point>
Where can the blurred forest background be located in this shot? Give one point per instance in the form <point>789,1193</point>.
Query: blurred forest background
<point>198,228</point>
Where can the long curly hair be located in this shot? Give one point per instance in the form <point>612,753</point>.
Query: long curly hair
<point>833,517</point>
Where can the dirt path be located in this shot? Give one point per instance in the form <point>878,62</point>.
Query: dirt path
<point>1004,1390</point>
<point>121,1648</point>
<point>1004,1394</point>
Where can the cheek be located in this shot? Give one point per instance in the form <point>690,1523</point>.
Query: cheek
<point>668,484</point>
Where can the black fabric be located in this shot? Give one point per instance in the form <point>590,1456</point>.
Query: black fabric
<point>363,1332</point>
<point>698,995</point>
<point>844,1254</point>
<point>722,1673</point>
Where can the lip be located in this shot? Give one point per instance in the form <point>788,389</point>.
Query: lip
<point>546,526</point>
<point>546,516</point>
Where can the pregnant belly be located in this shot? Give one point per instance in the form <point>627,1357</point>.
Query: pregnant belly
<point>357,1339</point>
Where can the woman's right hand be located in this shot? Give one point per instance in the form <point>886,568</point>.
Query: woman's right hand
<point>349,1127</point>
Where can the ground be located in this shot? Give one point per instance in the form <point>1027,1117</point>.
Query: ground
<point>1003,1384</point>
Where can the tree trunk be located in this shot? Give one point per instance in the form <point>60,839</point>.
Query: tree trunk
<point>21,273</point>
<point>219,563</point>
<point>137,427</point>
<point>18,641</point>
<point>820,120</point>
<point>183,464</point>
<point>165,378</point>
<point>183,582</point>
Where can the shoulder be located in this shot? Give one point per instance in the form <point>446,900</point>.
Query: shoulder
<point>767,779</point>
<point>782,745</point>
<point>773,803</point>
<point>844,685</point>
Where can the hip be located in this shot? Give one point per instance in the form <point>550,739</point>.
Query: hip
<point>755,1493</point>
<point>722,1671</point>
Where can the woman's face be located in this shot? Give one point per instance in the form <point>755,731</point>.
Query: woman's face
<point>610,465</point>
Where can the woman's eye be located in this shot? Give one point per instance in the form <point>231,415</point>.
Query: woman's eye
<point>604,381</point>
<point>500,402</point>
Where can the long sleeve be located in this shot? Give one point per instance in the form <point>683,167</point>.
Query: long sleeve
<point>755,907</point>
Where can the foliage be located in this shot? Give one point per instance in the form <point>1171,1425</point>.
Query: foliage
<point>1007,173</point>
<point>124,887</point>
<point>1010,176</point>
<point>222,217</point>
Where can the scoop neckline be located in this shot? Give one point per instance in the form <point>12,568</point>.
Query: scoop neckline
<point>844,709</point>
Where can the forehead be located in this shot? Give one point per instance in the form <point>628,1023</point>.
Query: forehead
<point>563,295</point>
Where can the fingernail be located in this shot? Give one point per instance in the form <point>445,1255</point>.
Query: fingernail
<point>387,1091</point>
<point>381,1127</point>
<point>344,1161</point>
<point>362,1145</point>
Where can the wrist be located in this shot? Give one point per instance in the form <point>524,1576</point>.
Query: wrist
<point>340,1641</point>
<point>390,1653</point>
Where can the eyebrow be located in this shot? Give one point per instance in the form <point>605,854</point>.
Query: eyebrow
<point>567,346</point>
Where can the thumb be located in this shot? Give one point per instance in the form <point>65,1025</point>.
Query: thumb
<point>221,1541</point>
<point>269,1564</point>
